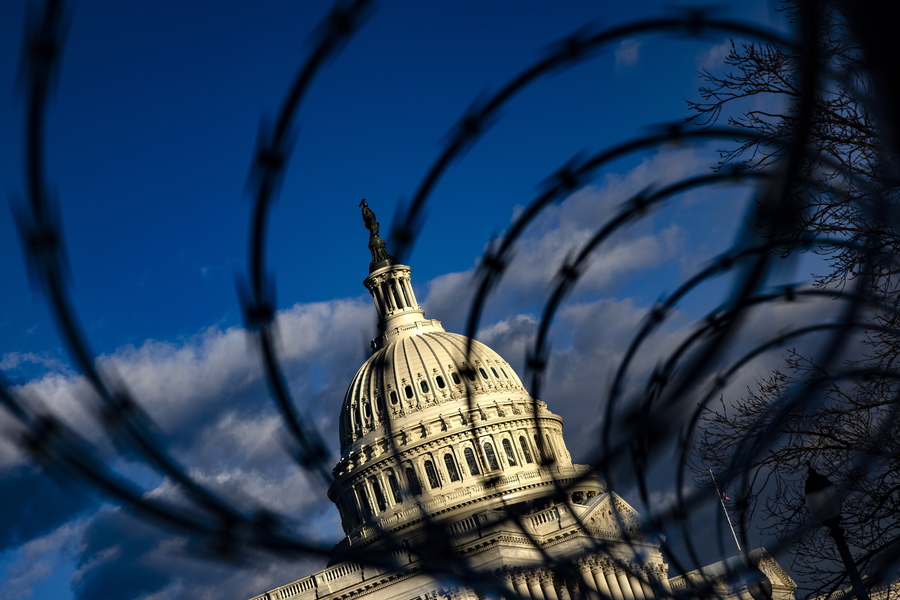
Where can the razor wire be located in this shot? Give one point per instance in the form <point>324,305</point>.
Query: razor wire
<point>698,368</point>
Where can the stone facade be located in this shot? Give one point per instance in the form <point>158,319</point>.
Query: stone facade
<point>564,551</point>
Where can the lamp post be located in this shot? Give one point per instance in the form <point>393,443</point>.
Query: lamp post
<point>823,500</point>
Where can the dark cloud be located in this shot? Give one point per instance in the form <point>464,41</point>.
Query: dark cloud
<point>111,560</point>
<point>34,504</point>
<point>123,557</point>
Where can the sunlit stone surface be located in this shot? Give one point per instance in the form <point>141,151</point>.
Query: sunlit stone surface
<point>448,464</point>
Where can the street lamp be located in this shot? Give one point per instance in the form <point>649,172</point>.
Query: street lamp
<point>823,500</point>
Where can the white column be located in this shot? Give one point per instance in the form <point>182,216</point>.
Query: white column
<point>518,581</point>
<point>547,587</point>
<point>665,580</point>
<point>399,294</point>
<point>507,579</point>
<point>386,294</point>
<point>646,575</point>
<point>376,296</point>
<point>596,581</point>
<point>636,589</point>
<point>661,573</point>
<point>408,292</point>
<point>564,591</point>
<point>622,578</point>
<point>588,584</point>
<point>615,589</point>
<point>534,586</point>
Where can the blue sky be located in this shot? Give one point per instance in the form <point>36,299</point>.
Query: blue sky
<point>150,138</point>
<point>157,111</point>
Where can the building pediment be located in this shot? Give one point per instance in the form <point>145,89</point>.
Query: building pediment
<point>609,514</point>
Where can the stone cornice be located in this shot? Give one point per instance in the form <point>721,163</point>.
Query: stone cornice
<point>386,458</point>
<point>482,493</point>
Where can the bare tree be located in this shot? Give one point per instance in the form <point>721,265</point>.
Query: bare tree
<point>759,93</point>
<point>845,423</point>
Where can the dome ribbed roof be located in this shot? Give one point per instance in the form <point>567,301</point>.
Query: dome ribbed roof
<point>417,372</point>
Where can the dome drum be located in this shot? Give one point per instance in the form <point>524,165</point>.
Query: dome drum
<point>502,445</point>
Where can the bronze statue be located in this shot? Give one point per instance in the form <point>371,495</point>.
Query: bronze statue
<point>369,217</point>
<point>380,256</point>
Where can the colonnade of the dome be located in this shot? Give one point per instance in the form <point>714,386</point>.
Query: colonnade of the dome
<point>392,291</point>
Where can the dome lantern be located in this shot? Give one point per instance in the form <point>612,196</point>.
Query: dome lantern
<point>399,314</point>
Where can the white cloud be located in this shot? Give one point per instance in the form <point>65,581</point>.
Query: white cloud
<point>14,360</point>
<point>179,382</point>
<point>627,53</point>
<point>561,231</point>
<point>713,57</point>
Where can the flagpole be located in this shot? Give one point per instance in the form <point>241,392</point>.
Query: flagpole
<point>725,510</point>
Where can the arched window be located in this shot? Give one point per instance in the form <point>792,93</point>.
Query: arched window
<point>432,475</point>
<point>408,390</point>
<point>379,496</point>
<point>452,472</point>
<point>494,371</point>
<point>542,454</point>
<point>413,482</point>
<point>508,450</point>
<point>440,381</point>
<point>424,386</point>
<point>365,507</point>
<point>550,453</point>
<point>395,486</point>
<point>524,445</point>
<point>483,373</point>
<point>352,515</point>
<point>351,510</point>
<point>491,457</point>
<point>455,377</point>
<point>393,397</point>
<point>470,460</point>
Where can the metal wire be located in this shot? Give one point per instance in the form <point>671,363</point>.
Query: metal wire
<point>668,409</point>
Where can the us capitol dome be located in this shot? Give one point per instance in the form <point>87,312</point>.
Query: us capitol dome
<point>443,450</point>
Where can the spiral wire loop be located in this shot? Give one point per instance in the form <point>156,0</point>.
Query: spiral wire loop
<point>640,420</point>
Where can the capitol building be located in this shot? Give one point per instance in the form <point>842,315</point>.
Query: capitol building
<point>454,483</point>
